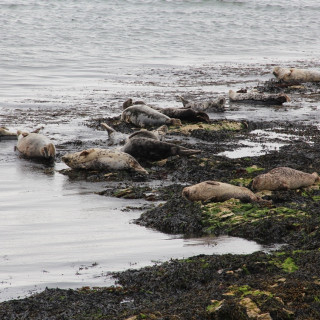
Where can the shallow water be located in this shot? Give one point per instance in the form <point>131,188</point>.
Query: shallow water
<point>57,233</point>
<point>64,62</point>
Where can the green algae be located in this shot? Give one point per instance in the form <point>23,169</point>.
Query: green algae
<point>232,213</point>
<point>219,125</point>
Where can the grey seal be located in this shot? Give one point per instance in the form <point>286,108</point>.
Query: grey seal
<point>213,105</point>
<point>258,97</point>
<point>144,116</point>
<point>151,149</point>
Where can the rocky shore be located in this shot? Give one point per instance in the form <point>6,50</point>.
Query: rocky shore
<point>281,284</point>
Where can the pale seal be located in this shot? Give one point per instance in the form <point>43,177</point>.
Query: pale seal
<point>283,178</point>
<point>295,75</point>
<point>5,134</point>
<point>258,97</point>
<point>102,159</point>
<point>144,116</point>
<point>216,191</point>
<point>35,145</point>
<point>217,105</point>
<point>148,148</point>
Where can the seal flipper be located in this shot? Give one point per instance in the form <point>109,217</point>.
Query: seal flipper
<point>107,128</point>
<point>184,102</point>
<point>182,151</point>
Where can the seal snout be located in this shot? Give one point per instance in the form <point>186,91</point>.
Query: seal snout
<point>185,193</point>
<point>66,159</point>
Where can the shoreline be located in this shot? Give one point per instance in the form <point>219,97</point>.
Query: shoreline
<point>212,287</point>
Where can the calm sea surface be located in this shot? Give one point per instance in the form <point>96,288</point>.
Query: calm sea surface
<point>62,62</point>
<point>54,44</point>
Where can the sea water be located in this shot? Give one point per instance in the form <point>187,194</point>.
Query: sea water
<point>63,62</point>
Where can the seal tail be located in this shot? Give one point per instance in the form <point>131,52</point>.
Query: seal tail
<point>49,151</point>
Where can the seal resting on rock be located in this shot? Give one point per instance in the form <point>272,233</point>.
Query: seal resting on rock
<point>283,178</point>
<point>102,159</point>
<point>116,137</point>
<point>217,105</point>
<point>258,97</point>
<point>142,116</point>
<point>150,148</point>
<point>218,192</point>
<point>5,134</point>
<point>295,75</point>
<point>185,114</point>
<point>35,145</point>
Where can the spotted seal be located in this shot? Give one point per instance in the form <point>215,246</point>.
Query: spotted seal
<point>35,145</point>
<point>217,105</point>
<point>296,75</point>
<point>102,159</point>
<point>258,97</point>
<point>218,192</point>
<point>283,178</point>
<point>143,116</point>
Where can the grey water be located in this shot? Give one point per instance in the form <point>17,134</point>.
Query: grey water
<point>63,62</point>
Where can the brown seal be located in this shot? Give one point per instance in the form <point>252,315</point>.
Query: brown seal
<point>283,178</point>
<point>185,114</point>
<point>218,192</point>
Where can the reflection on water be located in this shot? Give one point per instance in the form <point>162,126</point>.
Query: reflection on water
<point>57,233</point>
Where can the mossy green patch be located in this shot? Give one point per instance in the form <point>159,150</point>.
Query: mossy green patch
<point>286,264</point>
<point>253,169</point>
<point>289,266</point>
<point>231,213</point>
<point>243,182</point>
<point>186,129</point>
<point>246,290</point>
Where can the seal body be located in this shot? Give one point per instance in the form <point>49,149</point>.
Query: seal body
<point>217,105</point>
<point>218,192</point>
<point>283,178</point>
<point>296,75</point>
<point>35,145</point>
<point>144,116</point>
<point>258,97</point>
<point>186,114</point>
<point>5,134</point>
<point>102,159</point>
<point>152,149</point>
<point>119,138</point>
